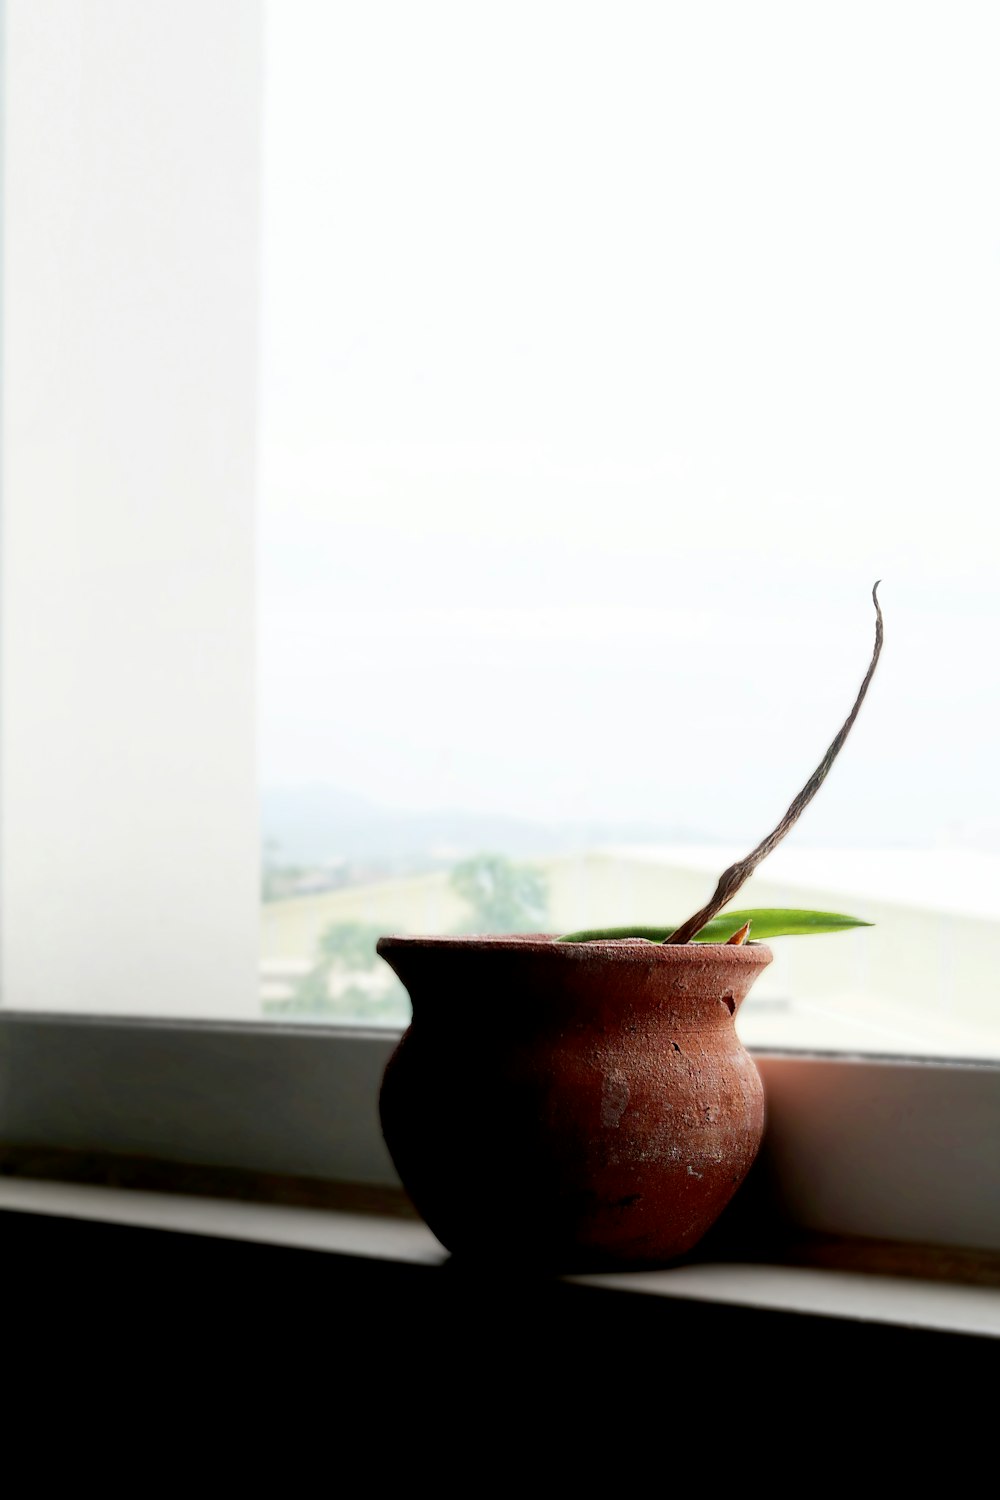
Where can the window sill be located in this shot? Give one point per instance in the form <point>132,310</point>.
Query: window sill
<point>390,1237</point>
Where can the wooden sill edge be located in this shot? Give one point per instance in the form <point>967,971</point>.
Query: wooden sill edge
<point>777,1245</point>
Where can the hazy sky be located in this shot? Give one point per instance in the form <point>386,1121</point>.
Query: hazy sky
<point>612,351</point>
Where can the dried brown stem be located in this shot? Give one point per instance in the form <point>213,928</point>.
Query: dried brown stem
<point>730,880</point>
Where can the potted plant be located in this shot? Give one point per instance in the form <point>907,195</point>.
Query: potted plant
<point>583,1101</point>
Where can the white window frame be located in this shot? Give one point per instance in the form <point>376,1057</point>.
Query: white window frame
<point>894,1149</point>
<point>886,1148</point>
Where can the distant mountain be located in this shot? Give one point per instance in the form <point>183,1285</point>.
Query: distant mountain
<point>314,825</point>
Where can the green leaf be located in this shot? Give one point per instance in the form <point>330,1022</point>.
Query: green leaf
<point>765,922</point>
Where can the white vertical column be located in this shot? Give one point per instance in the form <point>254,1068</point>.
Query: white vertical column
<point>128,825</point>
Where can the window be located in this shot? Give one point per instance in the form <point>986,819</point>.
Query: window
<point>589,368</point>
<point>608,361</point>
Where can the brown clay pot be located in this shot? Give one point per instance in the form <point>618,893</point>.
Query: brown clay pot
<point>571,1106</point>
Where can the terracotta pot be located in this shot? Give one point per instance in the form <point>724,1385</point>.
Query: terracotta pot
<point>571,1106</point>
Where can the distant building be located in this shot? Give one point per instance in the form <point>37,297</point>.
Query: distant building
<point>923,980</point>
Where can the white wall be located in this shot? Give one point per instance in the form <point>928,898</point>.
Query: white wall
<point>128,852</point>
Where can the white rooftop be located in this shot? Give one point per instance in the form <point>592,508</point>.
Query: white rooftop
<point>964,882</point>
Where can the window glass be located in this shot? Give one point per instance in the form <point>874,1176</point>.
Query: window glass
<point>610,354</point>
<point>447,453</point>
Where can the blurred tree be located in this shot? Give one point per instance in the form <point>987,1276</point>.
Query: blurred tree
<point>277,879</point>
<point>502,896</point>
<point>345,953</point>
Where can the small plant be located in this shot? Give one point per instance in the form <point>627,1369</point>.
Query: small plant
<point>711,924</point>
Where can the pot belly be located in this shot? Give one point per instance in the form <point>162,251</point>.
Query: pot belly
<point>573,1159</point>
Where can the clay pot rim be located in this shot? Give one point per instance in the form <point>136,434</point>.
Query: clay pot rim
<point>752,954</point>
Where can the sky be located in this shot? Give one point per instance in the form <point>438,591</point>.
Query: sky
<point>611,352</point>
